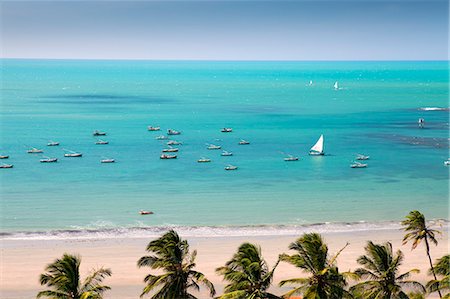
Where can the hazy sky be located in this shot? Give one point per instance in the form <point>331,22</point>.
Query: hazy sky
<point>237,30</point>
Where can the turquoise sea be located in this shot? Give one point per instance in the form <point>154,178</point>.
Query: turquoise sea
<point>268,103</point>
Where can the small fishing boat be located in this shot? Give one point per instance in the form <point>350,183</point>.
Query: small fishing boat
<point>242,142</point>
<point>290,158</point>
<point>108,160</point>
<point>226,130</point>
<point>173,132</point>
<point>48,160</point>
<point>173,142</point>
<point>226,154</point>
<point>214,147</point>
<point>142,212</point>
<point>98,133</point>
<point>317,149</point>
<point>150,128</point>
<point>4,157</point>
<point>447,163</point>
<point>362,157</point>
<point>358,165</point>
<point>6,166</point>
<point>231,167</point>
<point>101,142</point>
<point>162,137</point>
<point>34,150</point>
<point>164,156</point>
<point>72,154</point>
<point>170,150</point>
<point>203,160</point>
<point>52,143</point>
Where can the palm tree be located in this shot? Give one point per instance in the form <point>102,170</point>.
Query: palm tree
<point>248,274</point>
<point>417,229</point>
<point>63,279</point>
<point>170,254</point>
<point>441,268</point>
<point>381,274</point>
<point>312,257</point>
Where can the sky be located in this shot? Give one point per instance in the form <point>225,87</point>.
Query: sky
<point>226,30</point>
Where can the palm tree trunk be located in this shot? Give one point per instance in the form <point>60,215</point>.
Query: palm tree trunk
<point>431,263</point>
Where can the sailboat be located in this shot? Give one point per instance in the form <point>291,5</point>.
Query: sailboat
<point>310,83</point>
<point>317,149</point>
<point>336,85</point>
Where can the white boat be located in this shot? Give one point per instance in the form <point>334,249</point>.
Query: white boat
<point>226,130</point>
<point>362,157</point>
<point>231,167</point>
<point>142,212</point>
<point>242,142</point>
<point>98,133</point>
<point>6,166</point>
<point>150,128</point>
<point>173,142</point>
<point>48,160</point>
<point>226,154</point>
<point>170,150</point>
<point>109,160</point>
<point>162,137</point>
<point>34,150</point>
<point>101,142</point>
<point>290,158</point>
<point>336,85</point>
<point>52,143</point>
<point>310,83</point>
<point>164,156</point>
<point>173,132</point>
<point>214,147</point>
<point>358,165</point>
<point>317,149</point>
<point>72,154</point>
<point>203,160</point>
<point>4,157</point>
<point>447,163</point>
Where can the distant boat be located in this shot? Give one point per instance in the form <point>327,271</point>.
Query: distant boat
<point>203,160</point>
<point>317,149</point>
<point>162,137</point>
<point>52,143</point>
<point>150,128</point>
<point>226,154</point>
<point>101,142</point>
<point>358,165</point>
<point>242,142</point>
<point>290,158</point>
<point>336,85</point>
<point>173,142</point>
<point>362,157</point>
<point>170,150</point>
<point>173,132</point>
<point>34,150</point>
<point>310,83</point>
<point>72,154</point>
<point>6,166</point>
<point>421,122</point>
<point>226,130</point>
<point>109,160</point>
<point>48,160</point>
<point>447,163</point>
<point>142,212</point>
<point>164,156</point>
<point>98,133</point>
<point>214,147</point>
<point>4,157</point>
<point>231,167</point>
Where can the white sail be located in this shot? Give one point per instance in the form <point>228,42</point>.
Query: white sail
<point>310,82</point>
<point>317,149</point>
<point>336,85</point>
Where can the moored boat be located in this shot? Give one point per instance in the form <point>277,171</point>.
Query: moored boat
<point>226,154</point>
<point>101,142</point>
<point>98,133</point>
<point>164,156</point>
<point>4,157</point>
<point>362,157</point>
<point>317,149</point>
<point>226,130</point>
<point>214,147</point>
<point>48,160</point>
<point>290,158</point>
<point>34,150</point>
<point>162,137</point>
<point>72,154</point>
<point>203,160</point>
<point>170,150</point>
<point>358,165</point>
<point>173,132</point>
<point>142,212</point>
<point>150,128</point>
<point>243,142</point>
<point>231,167</point>
<point>52,143</point>
<point>108,160</point>
<point>447,163</point>
<point>173,142</point>
<point>6,166</point>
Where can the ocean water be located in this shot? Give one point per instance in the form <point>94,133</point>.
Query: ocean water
<point>270,104</point>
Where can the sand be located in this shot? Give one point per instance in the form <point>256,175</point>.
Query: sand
<point>23,260</point>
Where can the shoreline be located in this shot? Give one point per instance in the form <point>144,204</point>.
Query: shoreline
<point>24,260</point>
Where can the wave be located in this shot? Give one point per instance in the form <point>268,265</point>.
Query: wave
<point>203,231</point>
<point>434,109</point>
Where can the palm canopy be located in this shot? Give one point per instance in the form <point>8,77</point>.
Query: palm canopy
<point>312,257</point>
<point>442,269</point>
<point>63,279</point>
<point>248,274</point>
<point>381,276</point>
<point>417,229</point>
<point>171,254</point>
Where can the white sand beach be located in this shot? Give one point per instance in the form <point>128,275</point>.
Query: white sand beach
<point>24,260</point>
